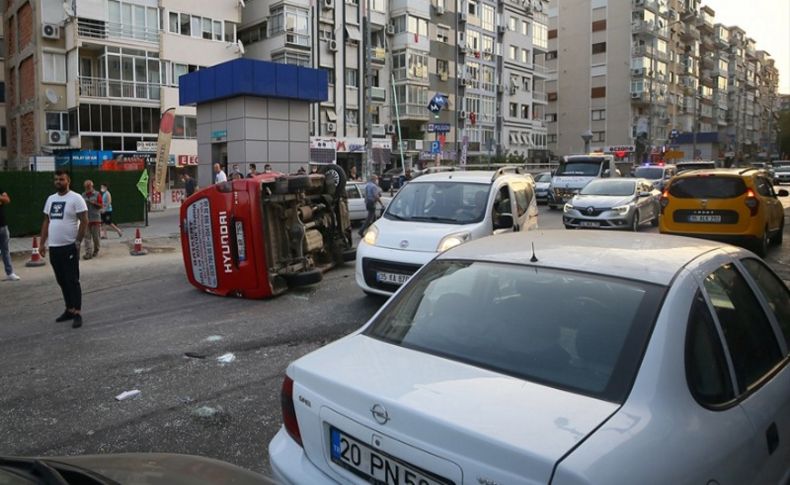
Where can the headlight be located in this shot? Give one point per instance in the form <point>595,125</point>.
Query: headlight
<point>567,207</point>
<point>451,241</point>
<point>622,209</point>
<point>371,235</point>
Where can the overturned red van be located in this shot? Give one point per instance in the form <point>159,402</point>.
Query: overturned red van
<point>256,237</point>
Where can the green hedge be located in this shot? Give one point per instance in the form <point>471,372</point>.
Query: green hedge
<point>29,192</point>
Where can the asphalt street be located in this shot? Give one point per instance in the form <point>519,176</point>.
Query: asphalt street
<point>208,369</point>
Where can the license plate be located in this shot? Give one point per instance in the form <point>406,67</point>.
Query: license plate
<point>393,278</point>
<point>589,224</point>
<point>375,466</point>
<point>704,218</point>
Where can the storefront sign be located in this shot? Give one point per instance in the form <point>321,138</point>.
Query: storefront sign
<point>620,148</point>
<point>350,145</point>
<point>187,160</point>
<point>146,146</point>
<point>219,135</point>
<point>438,127</point>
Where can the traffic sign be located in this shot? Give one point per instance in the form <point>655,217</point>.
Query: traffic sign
<point>436,103</point>
<point>438,127</point>
<point>436,147</point>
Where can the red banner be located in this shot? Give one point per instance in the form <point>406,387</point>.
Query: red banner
<point>163,148</point>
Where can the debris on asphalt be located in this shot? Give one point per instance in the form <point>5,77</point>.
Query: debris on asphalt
<point>226,358</point>
<point>206,411</point>
<point>195,355</point>
<point>127,395</point>
<point>142,370</point>
<point>213,338</point>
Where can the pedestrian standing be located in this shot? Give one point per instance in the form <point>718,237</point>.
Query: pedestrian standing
<point>189,184</point>
<point>219,175</point>
<point>267,168</point>
<point>253,171</point>
<point>5,238</point>
<point>94,202</point>
<point>372,197</point>
<point>63,229</point>
<point>236,173</point>
<point>352,175</point>
<point>106,211</point>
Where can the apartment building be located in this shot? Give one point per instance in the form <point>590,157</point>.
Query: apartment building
<point>655,79</point>
<point>483,57</point>
<point>88,79</point>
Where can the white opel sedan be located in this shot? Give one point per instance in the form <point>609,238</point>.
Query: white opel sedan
<point>600,359</point>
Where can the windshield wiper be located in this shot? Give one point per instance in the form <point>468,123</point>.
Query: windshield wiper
<point>396,216</point>
<point>434,219</point>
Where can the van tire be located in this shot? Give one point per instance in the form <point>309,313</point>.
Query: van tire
<point>303,278</point>
<point>335,181</point>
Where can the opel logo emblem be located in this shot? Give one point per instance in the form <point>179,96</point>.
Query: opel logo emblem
<point>404,244</point>
<point>380,414</point>
<point>590,210</point>
<point>704,203</point>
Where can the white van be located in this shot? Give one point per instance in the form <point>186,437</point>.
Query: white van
<point>436,212</point>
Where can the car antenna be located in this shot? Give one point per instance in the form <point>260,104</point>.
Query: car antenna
<point>533,259</point>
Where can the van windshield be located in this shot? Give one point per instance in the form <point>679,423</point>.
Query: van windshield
<point>585,168</point>
<point>443,202</point>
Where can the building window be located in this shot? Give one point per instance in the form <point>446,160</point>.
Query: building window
<point>551,96</point>
<point>443,34</point>
<point>230,32</point>
<point>185,127</point>
<point>2,137</point>
<point>472,7</point>
<point>597,26</point>
<point>599,48</point>
<point>352,77</point>
<point>2,92</point>
<point>185,25</point>
<point>443,68</point>
<point>352,117</point>
<point>550,117</point>
<point>54,66</point>
<point>524,28</point>
<point>540,36</point>
<point>525,56</point>
<point>526,83</point>
<point>524,111</point>
<point>551,55</point>
<point>292,58</point>
<point>417,25</point>
<point>598,114</point>
<point>514,110</point>
<point>552,34</point>
<point>57,121</point>
<point>488,18</point>
<point>512,53</point>
<point>174,24</point>
<point>599,92</point>
<point>551,138</point>
<point>599,136</point>
<point>512,24</point>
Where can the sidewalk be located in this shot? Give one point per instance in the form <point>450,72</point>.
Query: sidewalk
<point>160,224</point>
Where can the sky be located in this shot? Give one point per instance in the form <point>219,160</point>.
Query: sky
<point>765,21</point>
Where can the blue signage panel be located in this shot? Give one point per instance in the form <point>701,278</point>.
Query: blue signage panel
<point>438,127</point>
<point>436,147</point>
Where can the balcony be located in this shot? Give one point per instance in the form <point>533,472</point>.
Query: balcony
<point>379,56</point>
<point>91,87</point>
<point>705,20</point>
<point>539,97</point>
<point>97,29</point>
<point>413,111</point>
<point>541,71</point>
<point>689,33</point>
<point>378,94</point>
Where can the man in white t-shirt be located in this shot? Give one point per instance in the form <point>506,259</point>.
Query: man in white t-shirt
<point>65,223</point>
<point>219,174</point>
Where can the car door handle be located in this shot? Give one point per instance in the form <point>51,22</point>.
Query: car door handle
<point>772,437</point>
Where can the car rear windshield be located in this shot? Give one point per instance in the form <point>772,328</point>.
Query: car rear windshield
<point>442,202</point>
<point>707,187</point>
<point>652,173</point>
<point>583,168</point>
<point>574,331</point>
<point>610,187</point>
<point>684,167</point>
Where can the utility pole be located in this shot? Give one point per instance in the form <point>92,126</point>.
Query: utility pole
<point>368,168</point>
<point>694,126</point>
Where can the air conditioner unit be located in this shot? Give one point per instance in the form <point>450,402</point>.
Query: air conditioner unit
<point>462,115</point>
<point>439,9</point>
<point>390,29</point>
<point>637,71</point>
<point>636,95</point>
<point>332,44</point>
<point>331,127</point>
<point>501,29</point>
<point>57,137</point>
<point>390,129</point>
<point>328,4</point>
<point>463,16</point>
<point>50,31</point>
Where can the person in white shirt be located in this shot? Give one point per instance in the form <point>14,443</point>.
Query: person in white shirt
<point>65,223</point>
<point>219,175</point>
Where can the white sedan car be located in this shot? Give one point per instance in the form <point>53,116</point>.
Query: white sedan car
<point>355,191</point>
<point>599,358</point>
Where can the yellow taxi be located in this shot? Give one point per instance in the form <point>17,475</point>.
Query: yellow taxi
<point>733,205</point>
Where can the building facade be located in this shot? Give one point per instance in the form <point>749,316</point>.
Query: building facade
<point>89,79</point>
<point>482,57</point>
<point>656,79</point>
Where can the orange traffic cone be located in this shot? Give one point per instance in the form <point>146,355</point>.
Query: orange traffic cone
<point>138,245</point>
<point>35,256</point>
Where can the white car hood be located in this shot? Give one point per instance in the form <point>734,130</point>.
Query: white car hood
<point>463,413</point>
<point>542,185</point>
<point>418,236</point>
<point>570,182</point>
<point>600,201</point>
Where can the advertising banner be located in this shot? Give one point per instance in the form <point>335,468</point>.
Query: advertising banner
<point>163,148</point>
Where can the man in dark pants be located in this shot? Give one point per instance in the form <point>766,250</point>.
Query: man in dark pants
<point>64,227</point>
<point>372,197</point>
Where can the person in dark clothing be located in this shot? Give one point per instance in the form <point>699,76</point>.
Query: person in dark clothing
<point>63,229</point>
<point>189,184</point>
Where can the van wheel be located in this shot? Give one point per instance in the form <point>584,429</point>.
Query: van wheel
<point>335,182</point>
<point>761,245</point>
<point>304,278</point>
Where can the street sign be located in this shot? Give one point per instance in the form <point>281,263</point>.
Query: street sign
<point>436,103</point>
<point>438,127</point>
<point>436,147</point>
<point>674,133</point>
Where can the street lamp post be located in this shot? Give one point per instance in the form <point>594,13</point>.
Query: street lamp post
<point>587,137</point>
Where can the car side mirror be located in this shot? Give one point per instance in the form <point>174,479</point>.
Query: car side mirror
<point>782,193</point>
<point>503,221</point>
<point>645,194</point>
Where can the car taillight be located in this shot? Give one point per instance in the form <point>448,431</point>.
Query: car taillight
<point>752,203</point>
<point>289,413</point>
<point>664,200</point>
